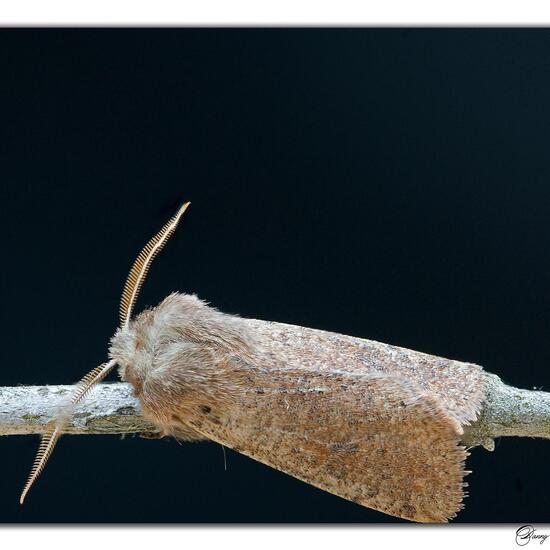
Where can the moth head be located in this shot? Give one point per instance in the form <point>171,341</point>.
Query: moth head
<point>128,347</point>
<point>180,328</point>
<point>130,293</point>
<point>133,346</point>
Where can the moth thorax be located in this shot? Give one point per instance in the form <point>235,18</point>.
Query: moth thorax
<point>183,342</point>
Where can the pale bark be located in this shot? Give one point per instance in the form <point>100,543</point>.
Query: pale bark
<point>509,411</point>
<point>109,409</point>
<point>112,409</point>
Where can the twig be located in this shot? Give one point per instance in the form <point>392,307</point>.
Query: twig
<point>509,411</point>
<point>109,409</point>
<point>112,409</point>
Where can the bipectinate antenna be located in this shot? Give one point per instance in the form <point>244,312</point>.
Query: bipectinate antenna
<point>50,437</point>
<point>143,262</point>
<point>135,279</point>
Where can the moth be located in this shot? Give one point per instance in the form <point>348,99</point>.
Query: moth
<point>373,423</point>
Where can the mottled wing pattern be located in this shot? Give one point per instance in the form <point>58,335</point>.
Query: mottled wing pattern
<point>458,386</point>
<point>379,443</point>
<point>372,423</point>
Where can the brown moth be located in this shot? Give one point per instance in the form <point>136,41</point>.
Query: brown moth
<point>373,423</point>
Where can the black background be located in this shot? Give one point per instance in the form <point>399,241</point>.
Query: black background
<point>391,184</point>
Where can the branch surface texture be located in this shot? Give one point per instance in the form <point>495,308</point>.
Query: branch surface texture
<point>111,408</point>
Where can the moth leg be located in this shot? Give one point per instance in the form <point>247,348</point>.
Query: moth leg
<point>153,435</point>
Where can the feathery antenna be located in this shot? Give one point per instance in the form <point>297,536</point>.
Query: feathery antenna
<point>129,296</point>
<point>47,444</point>
<point>50,438</point>
<point>143,262</point>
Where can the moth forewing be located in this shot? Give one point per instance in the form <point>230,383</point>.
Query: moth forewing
<point>379,446</point>
<point>369,422</point>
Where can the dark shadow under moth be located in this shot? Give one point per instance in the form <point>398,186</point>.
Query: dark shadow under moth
<point>373,423</point>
